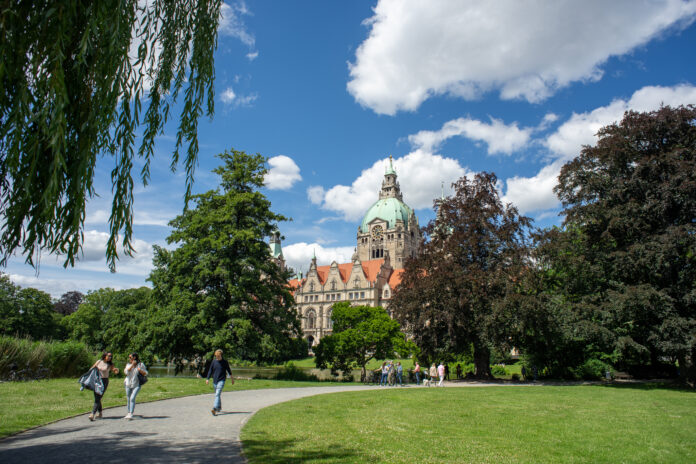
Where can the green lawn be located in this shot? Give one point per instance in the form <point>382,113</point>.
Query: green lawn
<point>27,404</point>
<point>637,423</point>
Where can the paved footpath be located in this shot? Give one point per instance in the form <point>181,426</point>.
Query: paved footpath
<point>176,430</point>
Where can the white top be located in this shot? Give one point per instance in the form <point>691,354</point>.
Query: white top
<point>131,380</point>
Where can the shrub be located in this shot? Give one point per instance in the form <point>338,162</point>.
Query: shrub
<point>292,372</point>
<point>498,370</point>
<point>515,377</point>
<point>592,369</point>
<point>68,359</point>
<point>62,359</point>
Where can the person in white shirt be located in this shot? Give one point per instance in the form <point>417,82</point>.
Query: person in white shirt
<point>132,382</point>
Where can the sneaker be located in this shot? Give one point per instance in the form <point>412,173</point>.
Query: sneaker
<point>128,416</point>
<point>213,412</point>
<point>91,417</point>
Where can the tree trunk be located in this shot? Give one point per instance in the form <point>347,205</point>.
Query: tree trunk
<point>482,362</point>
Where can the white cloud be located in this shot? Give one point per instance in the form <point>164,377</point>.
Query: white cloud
<point>316,194</point>
<point>299,255</point>
<point>231,24</point>
<point>524,50</point>
<point>420,175</point>
<point>252,56</point>
<point>283,173</point>
<point>581,129</point>
<point>536,193</point>
<point>228,95</point>
<point>499,137</point>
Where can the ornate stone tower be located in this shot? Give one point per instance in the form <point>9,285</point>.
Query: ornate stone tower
<point>389,227</point>
<point>276,250</point>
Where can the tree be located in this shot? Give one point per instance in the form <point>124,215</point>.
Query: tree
<point>85,324</point>
<point>630,229</point>
<point>68,303</point>
<point>453,294</point>
<point>124,325</point>
<point>360,333</point>
<point>219,288</point>
<point>26,312</point>
<point>73,80</point>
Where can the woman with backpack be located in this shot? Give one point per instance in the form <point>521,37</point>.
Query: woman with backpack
<point>136,375</point>
<point>104,365</point>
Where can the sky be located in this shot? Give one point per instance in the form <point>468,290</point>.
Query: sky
<point>327,91</point>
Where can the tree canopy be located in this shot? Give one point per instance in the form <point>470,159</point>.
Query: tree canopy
<point>622,269</point>
<point>27,312</point>
<point>219,288</point>
<point>74,78</point>
<point>360,333</point>
<point>453,294</point>
<point>68,303</point>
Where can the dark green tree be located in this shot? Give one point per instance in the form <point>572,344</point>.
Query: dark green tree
<point>73,80</point>
<point>27,312</point>
<point>453,295</point>
<point>124,325</point>
<point>626,256</point>
<point>218,288</point>
<point>85,324</point>
<point>360,333</point>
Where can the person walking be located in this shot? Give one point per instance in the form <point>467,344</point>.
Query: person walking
<point>132,381</point>
<point>459,371</point>
<point>385,374</point>
<point>417,371</point>
<point>441,374</point>
<point>400,374</point>
<point>447,372</point>
<point>392,374</point>
<point>433,374</point>
<point>104,365</point>
<point>217,371</point>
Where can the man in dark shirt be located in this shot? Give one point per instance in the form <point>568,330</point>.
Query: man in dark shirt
<point>218,372</point>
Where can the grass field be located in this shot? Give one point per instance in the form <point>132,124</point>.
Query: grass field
<point>635,423</point>
<point>27,404</point>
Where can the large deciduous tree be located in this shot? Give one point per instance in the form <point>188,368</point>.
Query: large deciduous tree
<point>626,257</point>
<point>219,287</point>
<point>68,303</point>
<point>27,312</point>
<point>360,333</point>
<point>73,80</point>
<point>453,294</point>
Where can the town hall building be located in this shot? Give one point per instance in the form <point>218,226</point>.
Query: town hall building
<point>388,234</point>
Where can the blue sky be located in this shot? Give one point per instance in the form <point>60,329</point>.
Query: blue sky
<point>328,90</point>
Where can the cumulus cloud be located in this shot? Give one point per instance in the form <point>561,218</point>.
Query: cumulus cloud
<point>228,95</point>
<point>499,137</point>
<point>283,173</point>
<point>523,50</point>
<point>418,185</point>
<point>316,194</point>
<point>581,129</point>
<point>299,255</point>
<point>536,193</point>
<point>232,25</point>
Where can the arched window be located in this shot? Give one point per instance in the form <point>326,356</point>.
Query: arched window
<point>311,317</point>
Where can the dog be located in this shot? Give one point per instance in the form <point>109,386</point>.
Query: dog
<point>426,382</point>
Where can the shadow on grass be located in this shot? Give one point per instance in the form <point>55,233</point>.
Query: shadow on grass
<point>648,386</point>
<point>121,447</point>
<point>264,448</point>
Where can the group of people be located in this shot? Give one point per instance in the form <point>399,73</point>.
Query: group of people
<point>217,371</point>
<point>132,382</point>
<point>391,373</point>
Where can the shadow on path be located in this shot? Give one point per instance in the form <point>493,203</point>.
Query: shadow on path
<point>269,450</point>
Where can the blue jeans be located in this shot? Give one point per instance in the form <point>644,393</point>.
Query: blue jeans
<point>417,378</point>
<point>383,380</point>
<point>131,393</point>
<point>217,404</point>
<point>400,378</point>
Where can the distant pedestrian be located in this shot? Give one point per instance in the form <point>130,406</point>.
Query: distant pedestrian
<point>433,373</point>
<point>392,374</point>
<point>524,373</point>
<point>132,382</point>
<point>104,365</point>
<point>535,372</point>
<point>385,374</point>
<point>459,371</point>
<point>417,372</point>
<point>446,371</point>
<point>441,374</point>
<point>400,374</point>
<point>218,370</point>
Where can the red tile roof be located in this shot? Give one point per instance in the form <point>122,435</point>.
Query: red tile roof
<point>370,270</point>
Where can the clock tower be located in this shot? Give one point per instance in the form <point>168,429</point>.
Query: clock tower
<point>389,226</point>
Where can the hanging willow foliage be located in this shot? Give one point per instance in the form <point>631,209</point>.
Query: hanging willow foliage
<point>77,79</point>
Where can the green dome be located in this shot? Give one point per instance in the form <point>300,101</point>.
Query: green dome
<point>387,209</point>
